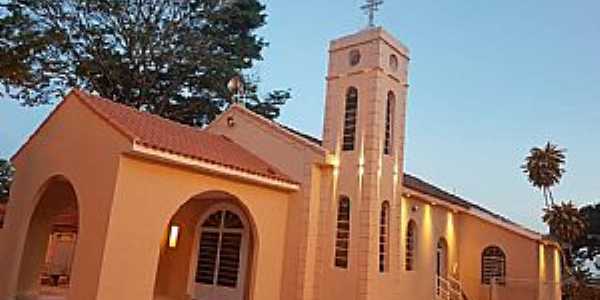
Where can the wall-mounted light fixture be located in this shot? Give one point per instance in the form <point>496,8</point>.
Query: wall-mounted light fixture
<point>414,208</point>
<point>173,235</point>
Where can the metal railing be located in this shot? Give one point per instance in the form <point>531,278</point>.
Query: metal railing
<point>448,288</point>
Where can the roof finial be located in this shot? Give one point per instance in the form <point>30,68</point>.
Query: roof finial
<point>237,89</point>
<point>370,8</point>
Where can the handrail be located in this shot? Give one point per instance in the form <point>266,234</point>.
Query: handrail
<point>448,288</point>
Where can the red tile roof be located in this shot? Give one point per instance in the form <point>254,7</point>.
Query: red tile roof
<point>161,134</point>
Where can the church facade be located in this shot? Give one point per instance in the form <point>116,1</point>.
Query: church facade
<point>247,208</point>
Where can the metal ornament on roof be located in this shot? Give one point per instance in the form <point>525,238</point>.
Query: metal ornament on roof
<point>370,8</point>
<point>236,87</point>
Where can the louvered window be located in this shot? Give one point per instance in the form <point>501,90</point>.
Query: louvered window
<point>389,123</point>
<point>220,247</point>
<point>342,240</point>
<point>350,119</point>
<point>493,265</point>
<point>411,244</point>
<point>384,225</point>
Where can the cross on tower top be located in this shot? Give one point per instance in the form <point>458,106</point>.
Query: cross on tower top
<point>370,8</point>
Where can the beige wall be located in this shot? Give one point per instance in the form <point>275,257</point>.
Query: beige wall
<point>521,260</point>
<point>301,162</point>
<point>433,223</point>
<point>148,195</point>
<point>77,145</point>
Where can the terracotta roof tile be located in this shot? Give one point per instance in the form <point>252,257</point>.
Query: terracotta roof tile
<point>165,135</point>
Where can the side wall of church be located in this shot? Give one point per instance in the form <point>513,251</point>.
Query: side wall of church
<point>531,271</point>
<point>433,224</point>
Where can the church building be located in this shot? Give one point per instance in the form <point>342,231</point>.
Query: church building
<point>249,209</point>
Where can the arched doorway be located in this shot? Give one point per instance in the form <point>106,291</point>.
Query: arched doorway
<point>51,240</point>
<point>441,268</point>
<point>220,263</point>
<point>442,258</point>
<point>211,255</point>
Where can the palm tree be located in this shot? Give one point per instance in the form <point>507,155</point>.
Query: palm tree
<point>566,222</point>
<point>544,168</point>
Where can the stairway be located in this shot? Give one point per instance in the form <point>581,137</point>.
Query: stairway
<point>448,288</point>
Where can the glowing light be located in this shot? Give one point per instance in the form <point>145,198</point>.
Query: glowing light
<point>450,229</point>
<point>361,158</point>
<point>542,262</point>
<point>557,270</point>
<point>427,224</point>
<point>333,160</point>
<point>173,236</point>
<point>451,239</point>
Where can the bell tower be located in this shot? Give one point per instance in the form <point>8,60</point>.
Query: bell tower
<point>364,131</point>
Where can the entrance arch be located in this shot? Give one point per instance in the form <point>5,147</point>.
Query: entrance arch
<point>213,253</point>
<point>51,241</point>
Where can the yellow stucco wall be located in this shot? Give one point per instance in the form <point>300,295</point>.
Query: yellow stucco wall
<point>301,162</point>
<point>522,261</point>
<point>77,145</point>
<point>148,194</point>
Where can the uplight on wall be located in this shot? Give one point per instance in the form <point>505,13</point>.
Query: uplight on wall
<point>173,235</point>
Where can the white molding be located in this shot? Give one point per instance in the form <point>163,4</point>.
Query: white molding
<point>152,153</point>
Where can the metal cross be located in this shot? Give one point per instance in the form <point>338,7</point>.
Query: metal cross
<point>370,8</point>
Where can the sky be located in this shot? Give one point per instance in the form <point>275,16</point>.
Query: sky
<point>488,81</point>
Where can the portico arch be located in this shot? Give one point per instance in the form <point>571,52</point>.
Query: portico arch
<point>53,224</point>
<point>198,264</point>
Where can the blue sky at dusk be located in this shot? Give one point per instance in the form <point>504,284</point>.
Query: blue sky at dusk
<point>488,80</point>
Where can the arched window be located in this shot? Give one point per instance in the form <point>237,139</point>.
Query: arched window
<point>389,123</point>
<point>350,119</point>
<point>342,236</point>
<point>411,246</point>
<point>393,62</point>
<point>493,265</point>
<point>384,225</point>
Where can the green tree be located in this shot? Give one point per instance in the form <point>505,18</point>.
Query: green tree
<point>6,178</point>
<point>568,225</point>
<point>171,58</point>
<point>587,248</point>
<point>544,168</point>
<point>565,222</point>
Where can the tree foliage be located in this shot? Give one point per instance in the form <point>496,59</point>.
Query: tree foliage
<point>544,168</point>
<point>168,57</point>
<point>587,248</point>
<point>6,178</point>
<point>565,222</point>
